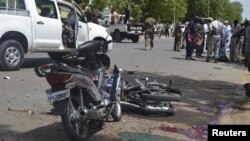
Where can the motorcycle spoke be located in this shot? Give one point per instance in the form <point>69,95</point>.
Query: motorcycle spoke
<point>77,128</point>
<point>72,107</point>
<point>84,128</point>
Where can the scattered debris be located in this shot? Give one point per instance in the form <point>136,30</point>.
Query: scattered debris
<point>21,110</point>
<point>217,68</point>
<point>131,72</point>
<point>7,77</point>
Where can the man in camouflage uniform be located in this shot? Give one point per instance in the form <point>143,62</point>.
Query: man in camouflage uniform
<point>149,32</point>
<point>216,29</point>
<point>178,35</point>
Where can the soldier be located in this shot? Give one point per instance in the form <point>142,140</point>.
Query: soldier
<point>247,45</point>
<point>115,16</point>
<point>234,41</point>
<point>149,32</point>
<point>127,14</point>
<point>216,29</point>
<point>190,40</point>
<point>200,34</point>
<point>227,38</point>
<point>177,39</point>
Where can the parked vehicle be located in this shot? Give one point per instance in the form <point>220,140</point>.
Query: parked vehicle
<point>150,97</point>
<point>77,91</point>
<point>122,30</point>
<point>55,27</point>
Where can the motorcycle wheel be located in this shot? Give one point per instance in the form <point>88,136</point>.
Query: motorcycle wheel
<point>117,112</point>
<point>77,129</point>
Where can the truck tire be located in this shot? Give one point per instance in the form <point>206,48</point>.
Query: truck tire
<point>11,55</point>
<point>57,56</point>
<point>117,36</point>
<point>135,39</point>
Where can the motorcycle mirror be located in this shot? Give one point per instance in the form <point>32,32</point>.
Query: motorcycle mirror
<point>120,70</point>
<point>88,47</point>
<point>116,70</point>
<point>144,78</point>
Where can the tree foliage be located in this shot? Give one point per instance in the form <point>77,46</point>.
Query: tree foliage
<point>220,9</point>
<point>168,11</point>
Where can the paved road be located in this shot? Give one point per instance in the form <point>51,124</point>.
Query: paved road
<point>200,82</point>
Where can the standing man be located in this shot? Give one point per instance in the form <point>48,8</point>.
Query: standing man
<point>200,34</point>
<point>127,14</point>
<point>167,30</point>
<point>216,31</point>
<point>190,40</point>
<point>247,45</point>
<point>235,41</point>
<point>149,32</point>
<point>177,35</point>
<point>227,38</point>
<point>205,26</point>
<point>115,17</point>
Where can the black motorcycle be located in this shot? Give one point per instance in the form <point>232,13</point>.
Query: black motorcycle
<point>150,97</point>
<point>77,92</point>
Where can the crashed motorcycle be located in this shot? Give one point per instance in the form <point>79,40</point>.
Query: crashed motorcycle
<point>150,97</point>
<point>77,93</point>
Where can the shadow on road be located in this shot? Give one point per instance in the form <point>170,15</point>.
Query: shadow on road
<point>143,49</point>
<point>195,59</point>
<point>169,50</point>
<point>53,132</point>
<point>237,65</point>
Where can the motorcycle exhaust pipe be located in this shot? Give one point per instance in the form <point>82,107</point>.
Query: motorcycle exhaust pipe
<point>97,114</point>
<point>130,104</point>
<point>163,109</point>
<point>151,109</point>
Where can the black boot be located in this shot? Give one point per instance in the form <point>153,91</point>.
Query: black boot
<point>215,60</point>
<point>208,58</point>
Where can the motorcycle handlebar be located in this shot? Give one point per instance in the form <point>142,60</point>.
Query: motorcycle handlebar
<point>96,46</point>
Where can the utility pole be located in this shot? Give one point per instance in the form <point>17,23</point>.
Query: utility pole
<point>129,6</point>
<point>174,10</point>
<point>90,2</point>
<point>208,8</point>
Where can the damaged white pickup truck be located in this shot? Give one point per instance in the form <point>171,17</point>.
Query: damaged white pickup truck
<point>52,26</point>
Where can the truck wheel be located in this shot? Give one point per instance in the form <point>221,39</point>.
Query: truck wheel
<point>11,55</point>
<point>117,37</point>
<point>135,39</point>
<point>57,56</point>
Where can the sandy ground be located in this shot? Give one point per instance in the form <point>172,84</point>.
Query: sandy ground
<point>212,94</point>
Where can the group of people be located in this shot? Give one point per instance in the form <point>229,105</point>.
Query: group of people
<point>162,29</point>
<point>217,37</point>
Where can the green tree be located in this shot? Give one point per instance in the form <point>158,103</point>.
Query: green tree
<point>168,11</point>
<point>99,4</point>
<point>221,9</point>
